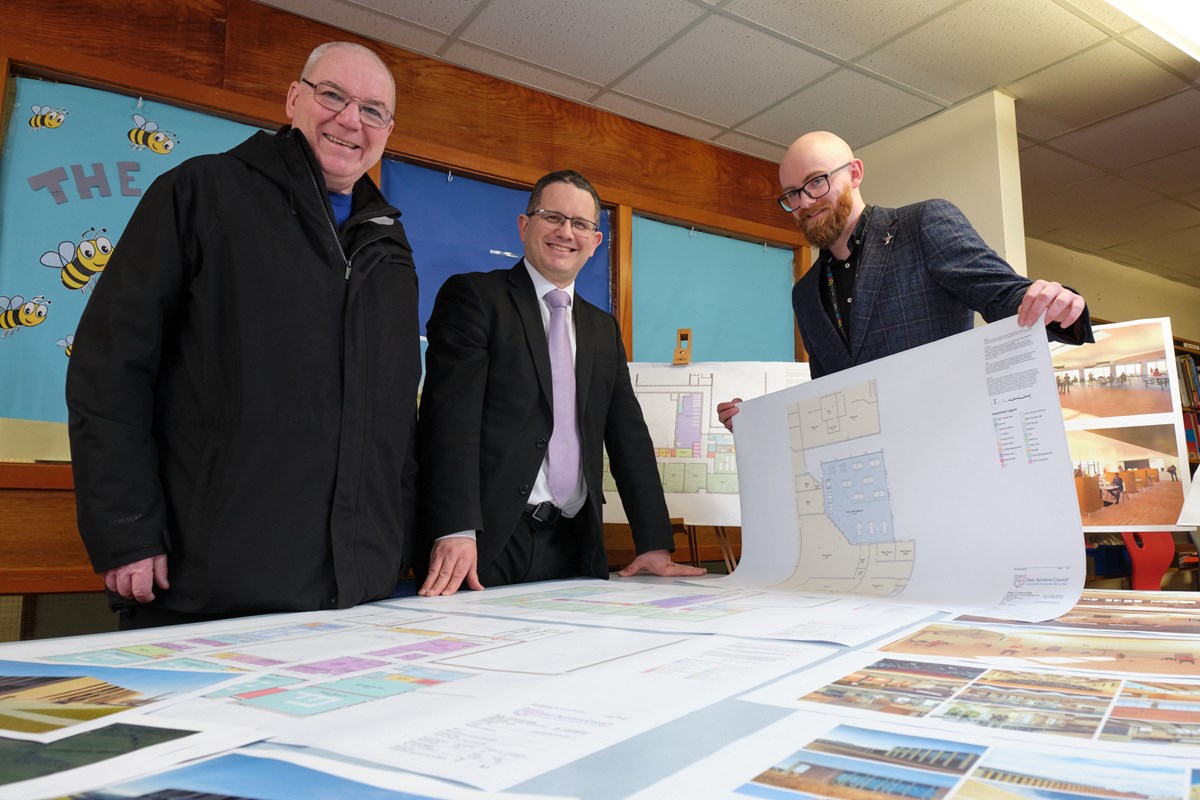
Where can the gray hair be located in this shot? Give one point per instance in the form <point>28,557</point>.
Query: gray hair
<point>321,50</point>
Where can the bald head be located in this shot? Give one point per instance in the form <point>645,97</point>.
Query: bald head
<point>820,143</point>
<point>820,177</point>
<point>811,155</point>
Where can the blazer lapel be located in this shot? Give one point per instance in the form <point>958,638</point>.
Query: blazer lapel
<point>873,264</point>
<point>524,298</point>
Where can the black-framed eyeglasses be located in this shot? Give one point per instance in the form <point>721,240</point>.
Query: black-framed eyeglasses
<point>372,114</point>
<point>556,218</point>
<point>814,188</point>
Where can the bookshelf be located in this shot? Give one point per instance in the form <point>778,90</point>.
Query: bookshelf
<point>1187,362</point>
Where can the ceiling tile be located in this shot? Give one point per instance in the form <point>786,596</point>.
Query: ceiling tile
<point>755,147</point>
<point>655,115</point>
<point>444,15</point>
<point>554,35</point>
<point>981,44</point>
<point>1044,171</point>
<point>1104,13</point>
<point>828,27</point>
<point>1065,239</point>
<point>1062,97</point>
<point>1129,259</point>
<point>1156,130</point>
<point>1115,228</point>
<point>366,22</point>
<point>1176,174</point>
<point>518,72</point>
<point>724,71</point>
<point>1076,203</point>
<point>855,106</point>
<point>1172,246</point>
<point>1186,270</point>
<point>1167,52</point>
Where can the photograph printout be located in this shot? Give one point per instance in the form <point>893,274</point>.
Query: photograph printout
<point>1121,408</point>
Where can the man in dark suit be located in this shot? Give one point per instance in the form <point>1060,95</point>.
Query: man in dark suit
<point>889,279</point>
<point>526,384</point>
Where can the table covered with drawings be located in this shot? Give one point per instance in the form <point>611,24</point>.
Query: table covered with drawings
<point>390,700</point>
<point>861,649</point>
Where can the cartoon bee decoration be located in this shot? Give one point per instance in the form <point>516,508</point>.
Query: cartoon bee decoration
<point>66,343</point>
<point>145,133</point>
<point>17,313</point>
<point>47,117</point>
<point>81,266</point>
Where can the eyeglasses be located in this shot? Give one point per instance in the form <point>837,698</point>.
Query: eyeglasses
<point>555,218</point>
<point>373,115</point>
<point>814,188</point>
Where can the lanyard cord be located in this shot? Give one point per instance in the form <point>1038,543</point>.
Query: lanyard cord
<point>832,287</point>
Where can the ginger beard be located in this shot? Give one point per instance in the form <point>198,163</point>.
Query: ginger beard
<point>825,231</point>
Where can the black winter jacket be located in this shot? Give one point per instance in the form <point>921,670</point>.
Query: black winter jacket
<point>242,389</point>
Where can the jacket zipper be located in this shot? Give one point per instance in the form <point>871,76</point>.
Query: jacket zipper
<point>332,228</point>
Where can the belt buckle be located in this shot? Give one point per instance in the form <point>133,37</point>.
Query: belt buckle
<point>546,512</point>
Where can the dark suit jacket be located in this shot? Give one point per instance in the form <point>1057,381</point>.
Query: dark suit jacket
<point>486,418</point>
<point>922,273</point>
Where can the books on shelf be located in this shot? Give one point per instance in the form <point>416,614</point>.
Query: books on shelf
<point>1189,381</point>
<point>1191,434</point>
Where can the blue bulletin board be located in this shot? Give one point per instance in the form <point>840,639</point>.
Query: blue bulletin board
<point>75,163</point>
<point>734,295</point>
<point>457,224</point>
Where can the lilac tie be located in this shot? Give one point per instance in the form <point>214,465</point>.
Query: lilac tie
<point>564,441</point>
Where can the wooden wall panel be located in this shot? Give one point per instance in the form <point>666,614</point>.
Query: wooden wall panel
<point>801,262</point>
<point>163,37</point>
<point>40,550</point>
<point>622,274</point>
<point>267,48</point>
<point>36,476</point>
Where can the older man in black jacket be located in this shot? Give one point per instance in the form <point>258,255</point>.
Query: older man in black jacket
<point>243,385</point>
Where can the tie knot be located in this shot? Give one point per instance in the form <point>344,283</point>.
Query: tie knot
<point>557,298</point>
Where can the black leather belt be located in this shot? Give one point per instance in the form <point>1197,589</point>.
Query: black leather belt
<point>545,512</point>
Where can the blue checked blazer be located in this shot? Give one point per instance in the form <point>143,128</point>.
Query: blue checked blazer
<point>922,273</point>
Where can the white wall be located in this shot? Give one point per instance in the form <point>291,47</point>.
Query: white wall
<point>1115,292</point>
<point>967,155</point>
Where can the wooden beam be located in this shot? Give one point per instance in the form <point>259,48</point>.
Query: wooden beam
<point>622,274</point>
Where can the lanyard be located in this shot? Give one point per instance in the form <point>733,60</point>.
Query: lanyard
<point>837,311</point>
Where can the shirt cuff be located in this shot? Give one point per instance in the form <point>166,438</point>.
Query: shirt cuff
<point>459,535</point>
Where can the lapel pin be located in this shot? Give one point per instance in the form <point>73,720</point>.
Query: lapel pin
<point>888,238</point>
